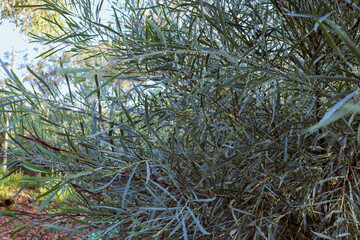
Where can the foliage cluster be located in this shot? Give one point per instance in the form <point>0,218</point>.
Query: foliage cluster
<point>212,141</point>
<point>28,19</point>
<point>11,182</point>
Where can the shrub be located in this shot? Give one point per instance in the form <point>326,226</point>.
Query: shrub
<point>212,139</point>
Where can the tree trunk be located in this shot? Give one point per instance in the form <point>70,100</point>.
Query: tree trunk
<point>5,147</point>
<point>6,116</point>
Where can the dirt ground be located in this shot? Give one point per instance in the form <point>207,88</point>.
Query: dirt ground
<point>24,205</point>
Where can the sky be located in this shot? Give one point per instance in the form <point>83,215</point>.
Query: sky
<point>11,38</point>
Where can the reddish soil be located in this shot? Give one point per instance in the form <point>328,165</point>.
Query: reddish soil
<point>26,207</point>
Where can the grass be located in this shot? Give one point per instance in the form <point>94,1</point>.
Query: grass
<point>10,185</point>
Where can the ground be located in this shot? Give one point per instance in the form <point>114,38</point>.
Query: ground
<point>23,204</point>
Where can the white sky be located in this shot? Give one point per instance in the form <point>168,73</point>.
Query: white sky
<point>11,38</point>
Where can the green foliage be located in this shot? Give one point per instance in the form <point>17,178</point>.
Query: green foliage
<point>13,181</point>
<point>30,15</point>
<point>10,181</point>
<point>214,138</point>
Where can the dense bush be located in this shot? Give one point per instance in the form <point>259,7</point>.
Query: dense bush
<point>211,138</point>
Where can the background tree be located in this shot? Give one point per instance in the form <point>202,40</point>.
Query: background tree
<point>23,15</point>
<point>26,18</point>
<point>231,131</point>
